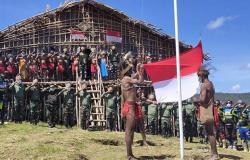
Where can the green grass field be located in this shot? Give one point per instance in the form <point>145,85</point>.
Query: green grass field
<point>24,142</point>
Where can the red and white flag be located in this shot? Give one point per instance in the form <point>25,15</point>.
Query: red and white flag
<point>113,37</point>
<point>77,35</point>
<point>164,77</point>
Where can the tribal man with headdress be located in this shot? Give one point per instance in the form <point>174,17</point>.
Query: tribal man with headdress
<point>206,104</point>
<point>129,109</point>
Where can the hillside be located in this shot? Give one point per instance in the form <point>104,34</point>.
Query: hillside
<point>245,97</point>
<point>26,142</point>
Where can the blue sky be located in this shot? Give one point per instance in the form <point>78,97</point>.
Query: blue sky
<point>223,26</point>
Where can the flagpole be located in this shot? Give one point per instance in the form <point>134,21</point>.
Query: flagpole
<point>177,49</point>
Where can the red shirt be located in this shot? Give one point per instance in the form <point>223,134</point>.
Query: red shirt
<point>51,66</point>
<point>44,66</point>
<point>10,68</point>
<point>2,68</point>
<point>33,68</point>
<point>93,68</point>
<point>60,68</point>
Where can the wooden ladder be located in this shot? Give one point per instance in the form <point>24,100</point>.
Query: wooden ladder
<point>97,117</point>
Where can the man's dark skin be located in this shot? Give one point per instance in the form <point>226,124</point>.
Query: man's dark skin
<point>206,102</point>
<point>129,96</point>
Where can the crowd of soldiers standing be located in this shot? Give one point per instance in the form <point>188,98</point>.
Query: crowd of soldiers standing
<point>19,102</point>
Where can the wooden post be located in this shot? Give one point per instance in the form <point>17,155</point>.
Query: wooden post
<point>77,112</point>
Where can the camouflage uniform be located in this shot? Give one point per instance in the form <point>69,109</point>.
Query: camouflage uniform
<point>35,100</point>
<point>85,106</point>
<point>176,120</point>
<point>152,118</point>
<point>190,121</point>
<point>166,119</point>
<point>18,89</point>
<point>69,96</point>
<point>111,110</point>
<point>3,100</point>
<point>51,105</point>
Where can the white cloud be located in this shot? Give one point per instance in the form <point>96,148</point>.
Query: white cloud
<point>248,66</point>
<point>220,21</point>
<point>235,88</point>
<point>245,67</point>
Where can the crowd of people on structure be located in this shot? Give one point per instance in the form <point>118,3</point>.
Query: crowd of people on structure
<point>56,103</point>
<point>57,66</point>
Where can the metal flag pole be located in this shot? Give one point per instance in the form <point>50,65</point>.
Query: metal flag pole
<point>178,80</point>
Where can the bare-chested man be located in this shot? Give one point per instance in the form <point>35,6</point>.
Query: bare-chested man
<point>130,110</point>
<point>206,103</point>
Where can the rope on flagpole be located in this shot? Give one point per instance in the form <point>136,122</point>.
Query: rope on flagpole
<point>178,80</point>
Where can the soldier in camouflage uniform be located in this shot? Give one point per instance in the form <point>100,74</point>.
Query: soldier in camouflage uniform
<point>190,120</point>
<point>85,106</point>
<point>114,61</point>
<point>18,89</point>
<point>152,115</point>
<point>35,100</point>
<point>166,119</point>
<point>68,102</point>
<point>110,99</point>
<point>51,104</point>
<point>176,119</point>
<point>3,98</point>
